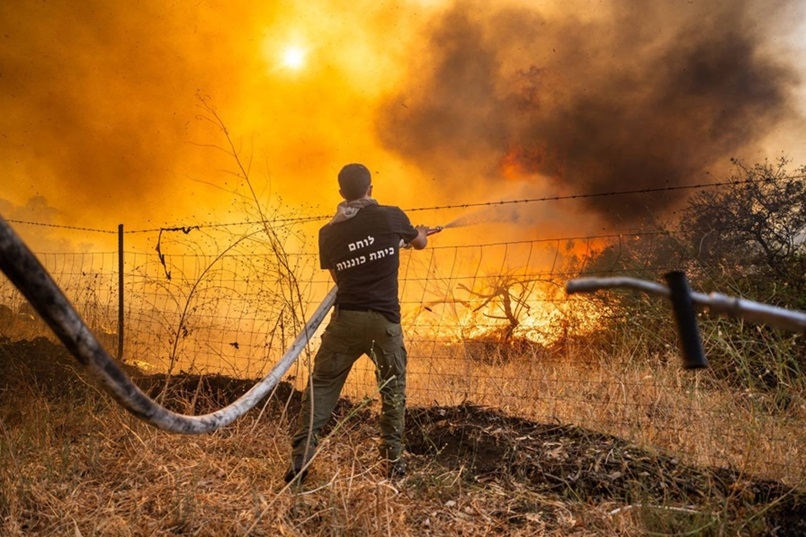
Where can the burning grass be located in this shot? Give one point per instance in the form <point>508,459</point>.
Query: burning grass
<point>73,462</point>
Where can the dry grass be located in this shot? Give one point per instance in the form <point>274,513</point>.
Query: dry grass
<point>651,402</point>
<point>71,462</point>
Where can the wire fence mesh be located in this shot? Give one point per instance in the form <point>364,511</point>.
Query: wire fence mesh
<point>488,324</point>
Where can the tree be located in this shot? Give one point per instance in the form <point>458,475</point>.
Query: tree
<point>747,238</point>
<point>755,230</point>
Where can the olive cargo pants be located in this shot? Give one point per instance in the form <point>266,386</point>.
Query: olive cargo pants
<point>348,336</point>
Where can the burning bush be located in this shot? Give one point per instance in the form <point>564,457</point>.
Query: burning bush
<point>495,349</point>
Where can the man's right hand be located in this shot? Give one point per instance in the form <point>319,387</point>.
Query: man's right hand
<point>419,242</point>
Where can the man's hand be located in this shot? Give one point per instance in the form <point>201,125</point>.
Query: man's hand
<point>419,242</point>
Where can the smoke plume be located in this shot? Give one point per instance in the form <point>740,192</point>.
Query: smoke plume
<point>96,99</point>
<point>101,104</point>
<point>485,100</point>
<point>647,95</point>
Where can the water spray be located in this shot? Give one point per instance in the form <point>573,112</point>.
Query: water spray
<point>483,216</point>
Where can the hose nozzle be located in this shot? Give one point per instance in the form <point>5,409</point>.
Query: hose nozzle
<point>433,230</point>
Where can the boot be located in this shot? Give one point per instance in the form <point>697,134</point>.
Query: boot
<point>397,468</point>
<point>295,470</point>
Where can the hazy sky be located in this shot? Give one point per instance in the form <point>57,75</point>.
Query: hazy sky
<point>103,117</point>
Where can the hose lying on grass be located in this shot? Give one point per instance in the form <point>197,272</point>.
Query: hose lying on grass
<point>25,271</point>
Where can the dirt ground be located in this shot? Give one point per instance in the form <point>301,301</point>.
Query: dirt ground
<point>487,448</point>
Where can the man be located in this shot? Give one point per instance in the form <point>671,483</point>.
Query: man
<point>360,247</point>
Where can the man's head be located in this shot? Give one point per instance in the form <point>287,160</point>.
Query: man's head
<point>354,181</point>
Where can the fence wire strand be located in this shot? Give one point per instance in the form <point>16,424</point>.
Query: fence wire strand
<point>464,344</point>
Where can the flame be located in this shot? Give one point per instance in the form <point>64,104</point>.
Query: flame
<point>507,310</point>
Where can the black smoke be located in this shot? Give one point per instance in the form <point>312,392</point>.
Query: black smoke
<point>650,94</point>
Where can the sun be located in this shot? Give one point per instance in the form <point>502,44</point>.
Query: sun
<point>293,57</point>
<point>289,52</point>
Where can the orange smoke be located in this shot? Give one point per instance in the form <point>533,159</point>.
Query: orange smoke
<point>521,161</point>
<point>102,118</point>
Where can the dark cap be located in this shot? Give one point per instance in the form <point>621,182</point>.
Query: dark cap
<point>354,180</point>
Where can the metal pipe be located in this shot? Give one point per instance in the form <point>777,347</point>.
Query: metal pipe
<point>686,320</point>
<point>120,293</point>
<point>715,302</point>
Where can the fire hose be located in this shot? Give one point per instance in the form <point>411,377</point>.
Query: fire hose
<point>25,271</point>
<point>430,231</point>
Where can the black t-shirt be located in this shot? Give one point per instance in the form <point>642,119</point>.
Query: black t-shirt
<point>364,252</point>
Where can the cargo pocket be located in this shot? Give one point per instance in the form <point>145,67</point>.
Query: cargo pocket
<point>392,362</point>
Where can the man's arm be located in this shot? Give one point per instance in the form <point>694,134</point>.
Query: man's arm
<point>419,242</point>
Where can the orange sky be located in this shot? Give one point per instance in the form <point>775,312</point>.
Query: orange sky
<point>105,118</point>
<point>102,120</point>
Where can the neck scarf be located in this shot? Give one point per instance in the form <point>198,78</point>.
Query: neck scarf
<point>348,209</point>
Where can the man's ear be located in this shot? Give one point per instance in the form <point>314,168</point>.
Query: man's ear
<point>341,193</point>
<point>369,191</point>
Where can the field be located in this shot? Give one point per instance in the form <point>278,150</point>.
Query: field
<point>530,411</point>
<point>72,462</point>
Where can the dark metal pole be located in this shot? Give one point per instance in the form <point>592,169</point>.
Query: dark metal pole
<point>120,292</point>
<point>690,342</point>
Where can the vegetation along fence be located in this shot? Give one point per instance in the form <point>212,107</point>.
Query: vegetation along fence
<point>490,323</point>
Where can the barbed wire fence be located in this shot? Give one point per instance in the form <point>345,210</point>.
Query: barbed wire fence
<point>487,324</point>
